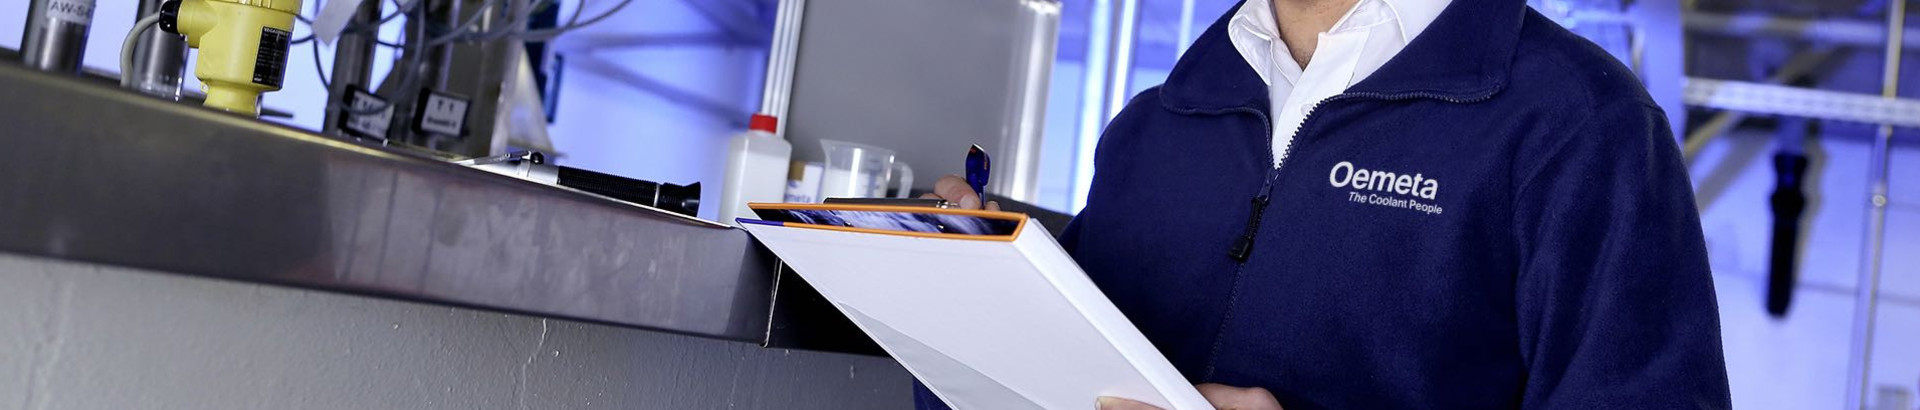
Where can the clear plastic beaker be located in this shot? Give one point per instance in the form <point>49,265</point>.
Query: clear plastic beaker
<point>862,171</point>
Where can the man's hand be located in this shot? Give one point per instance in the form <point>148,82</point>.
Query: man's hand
<point>954,189</point>
<point>1222,396</point>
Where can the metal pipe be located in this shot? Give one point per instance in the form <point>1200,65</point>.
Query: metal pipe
<point>792,52</point>
<point>56,34</point>
<point>1801,102</point>
<point>1849,32</point>
<point>1092,102</point>
<point>444,66</point>
<point>1186,29</point>
<point>780,61</point>
<point>1866,303</point>
<point>159,59</point>
<point>352,64</point>
<point>1799,65</point>
<point>1120,83</point>
<point>1040,26</point>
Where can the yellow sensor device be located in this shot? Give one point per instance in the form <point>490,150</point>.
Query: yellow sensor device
<point>242,43</point>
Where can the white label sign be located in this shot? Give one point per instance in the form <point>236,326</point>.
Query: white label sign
<point>443,114</point>
<point>71,11</point>
<point>373,124</point>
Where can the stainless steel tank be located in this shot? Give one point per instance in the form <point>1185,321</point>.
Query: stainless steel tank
<point>56,36</point>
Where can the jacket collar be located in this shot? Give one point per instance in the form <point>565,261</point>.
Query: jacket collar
<point>1464,55</point>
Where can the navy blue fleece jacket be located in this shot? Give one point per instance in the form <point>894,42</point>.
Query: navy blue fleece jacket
<point>1496,218</point>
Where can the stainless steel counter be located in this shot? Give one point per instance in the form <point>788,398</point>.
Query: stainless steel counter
<point>102,175</point>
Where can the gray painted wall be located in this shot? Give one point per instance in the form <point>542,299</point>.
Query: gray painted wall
<point>80,336</point>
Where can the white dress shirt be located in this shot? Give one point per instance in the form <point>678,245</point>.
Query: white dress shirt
<point>1370,34</point>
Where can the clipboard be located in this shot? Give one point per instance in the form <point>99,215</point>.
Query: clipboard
<point>1001,319</point>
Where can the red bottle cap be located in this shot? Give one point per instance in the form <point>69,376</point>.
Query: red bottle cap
<point>763,122</point>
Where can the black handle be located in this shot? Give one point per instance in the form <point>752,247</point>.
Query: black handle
<point>684,200</point>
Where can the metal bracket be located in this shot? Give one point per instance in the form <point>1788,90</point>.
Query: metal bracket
<point>1802,102</point>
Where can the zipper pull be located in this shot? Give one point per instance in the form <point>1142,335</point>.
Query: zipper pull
<point>1243,247</point>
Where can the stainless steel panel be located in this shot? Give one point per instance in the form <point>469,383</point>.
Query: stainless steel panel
<point>107,176</point>
<point>927,78</point>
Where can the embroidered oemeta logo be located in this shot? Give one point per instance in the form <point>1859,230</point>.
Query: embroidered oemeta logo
<point>1386,189</point>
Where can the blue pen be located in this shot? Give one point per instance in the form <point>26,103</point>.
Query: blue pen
<point>978,168</point>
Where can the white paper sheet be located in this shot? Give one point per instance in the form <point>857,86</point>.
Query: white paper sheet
<point>985,324</point>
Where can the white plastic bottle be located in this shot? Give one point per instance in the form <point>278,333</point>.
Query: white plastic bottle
<point>756,169</point>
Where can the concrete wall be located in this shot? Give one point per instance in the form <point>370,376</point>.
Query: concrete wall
<point>79,336</point>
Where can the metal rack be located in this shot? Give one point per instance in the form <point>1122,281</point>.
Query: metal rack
<point>1867,303</point>
<point>1886,110</point>
<point>1757,98</point>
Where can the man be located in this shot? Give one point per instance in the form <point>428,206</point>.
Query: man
<point>1388,204</point>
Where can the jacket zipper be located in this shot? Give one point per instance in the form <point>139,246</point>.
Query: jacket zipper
<point>1243,247</point>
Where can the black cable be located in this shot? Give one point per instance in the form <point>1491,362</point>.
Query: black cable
<point>320,71</point>
<point>548,34</point>
<point>361,28</point>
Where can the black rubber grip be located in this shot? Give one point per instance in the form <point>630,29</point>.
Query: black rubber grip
<point>684,200</point>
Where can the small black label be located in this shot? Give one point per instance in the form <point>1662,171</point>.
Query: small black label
<point>367,114</point>
<point>270,66</point>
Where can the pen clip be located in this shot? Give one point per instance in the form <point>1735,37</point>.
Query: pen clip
<point>979,167</point>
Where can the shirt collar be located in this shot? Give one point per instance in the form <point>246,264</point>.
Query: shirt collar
<point>1255,17</point>
<point>1254,31</point>
<point>1463,51</point>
